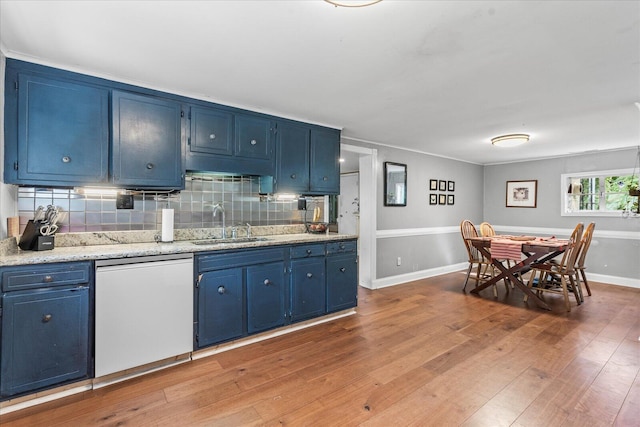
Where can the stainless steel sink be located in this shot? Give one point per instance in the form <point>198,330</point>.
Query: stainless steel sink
<point>236,240</point>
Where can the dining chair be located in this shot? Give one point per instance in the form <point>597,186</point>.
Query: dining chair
<point>484,268</point>
<point>585,242</point>
<point>487,230</point>
<point>559,277</point>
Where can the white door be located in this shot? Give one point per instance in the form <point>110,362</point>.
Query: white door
<point>349,204</point>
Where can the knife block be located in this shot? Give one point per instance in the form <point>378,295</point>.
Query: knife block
<point>32,240</point>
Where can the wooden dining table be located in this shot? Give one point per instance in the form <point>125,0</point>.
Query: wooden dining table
<point>534,249</point>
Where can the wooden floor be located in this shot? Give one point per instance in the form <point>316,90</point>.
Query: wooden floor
<point>422,353</point>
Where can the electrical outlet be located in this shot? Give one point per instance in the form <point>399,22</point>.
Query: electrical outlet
<point>399,262</point>
<point>124,201</point>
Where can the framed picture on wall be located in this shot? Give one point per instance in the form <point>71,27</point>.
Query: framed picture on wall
<point>450,199</point>
<point>442,199</point>
<point>433,184</point>
<point>451,186</point>
<point>433,199</point>
<point>522,194</point>
<point>442,185</point>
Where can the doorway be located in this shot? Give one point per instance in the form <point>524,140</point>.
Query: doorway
<point>360,175</point>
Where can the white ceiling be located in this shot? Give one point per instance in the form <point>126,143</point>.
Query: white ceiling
<point>439,77</point>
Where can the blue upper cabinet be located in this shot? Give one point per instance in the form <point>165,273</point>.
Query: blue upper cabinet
<point>292,165</point>
<point>146,141</point>
<point>57,132</point>
<point>224,140</point>
<point>306,160</point>
<point>253,137</point>
<point>211,131</point>
<point>324,171</point>
<point>65,129</point>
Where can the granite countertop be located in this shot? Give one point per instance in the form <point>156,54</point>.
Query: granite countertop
<point>11,255</point>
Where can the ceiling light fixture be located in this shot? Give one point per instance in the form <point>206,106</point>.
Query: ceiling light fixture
<point>352,3</point>
<point>510,140</point>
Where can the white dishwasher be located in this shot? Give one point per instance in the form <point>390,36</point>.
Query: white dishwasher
<point>144,311</point>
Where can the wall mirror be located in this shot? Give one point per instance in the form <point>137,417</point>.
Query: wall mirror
<point>395,184</point>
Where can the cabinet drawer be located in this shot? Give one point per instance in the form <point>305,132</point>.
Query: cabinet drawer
<point>216,261</point>
<point>305,251</point>
<point>45,275</point>
<point>341,247</point>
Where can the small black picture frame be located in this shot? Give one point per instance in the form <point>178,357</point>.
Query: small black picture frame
<point>442,199</point>
<point>450,199</point>
<point>442,185</point>
<point>433,184</point>
<point>451,186</point>
<point>433,199</point>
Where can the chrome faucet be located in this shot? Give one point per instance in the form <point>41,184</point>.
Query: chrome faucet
<point>218,207</point>
<point>248,230</point>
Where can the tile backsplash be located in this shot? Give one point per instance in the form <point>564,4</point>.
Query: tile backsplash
<point>193,206</point>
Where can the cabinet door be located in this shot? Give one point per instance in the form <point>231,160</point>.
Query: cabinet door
<point>265,297</point>
<point>220,308</point>
<point>211,131</point>
<point>292,162</point>
<point>307,288</point>
<point>45,339</point>
<point>342,282</point>
<point>253,137</point>
<point>146,141</point>
<point>325,166</point>
<point>63,132</point>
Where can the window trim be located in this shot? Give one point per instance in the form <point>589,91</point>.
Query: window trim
<point>564,182</point>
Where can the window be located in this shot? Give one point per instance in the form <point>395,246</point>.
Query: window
<point>601,193</point>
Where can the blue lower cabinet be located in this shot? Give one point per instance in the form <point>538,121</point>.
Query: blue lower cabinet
<point>220,306</point>
<point>308,288</point>
<point>45,339</point>
<point>265,297</point>
<point>342,281</point>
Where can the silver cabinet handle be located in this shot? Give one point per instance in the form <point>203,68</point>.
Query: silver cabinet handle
<point>267,282</point>
<point>324,178</point>
<point>254,142</point>
<point>309,275</point>
<point>309,251</point>
<point>221,290</point>
<point>66,159</point>
<point>293,176</point>
<point>150,165</point>
<point>212,136</point>
<point>46,318</point>
<point>342,269</point>
<point>48,279</point>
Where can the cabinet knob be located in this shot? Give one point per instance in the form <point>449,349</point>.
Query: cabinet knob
<point>212,136</point>
<point>66,159</point>
<point>46,318</point>
<point>254,142</point>
<point>293,176</point>
<point>221,290</point>
<point>267,282</point>
<point>342,269</point>
<point>309,251</point>
<point>324,178</point>
<point>48,279</point>
<point>150,166</point>
<point>309,275</point>
<point>341,246</point>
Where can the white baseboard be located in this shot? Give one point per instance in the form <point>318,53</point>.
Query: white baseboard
<point>423,274</point>
<point>417,275</point>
